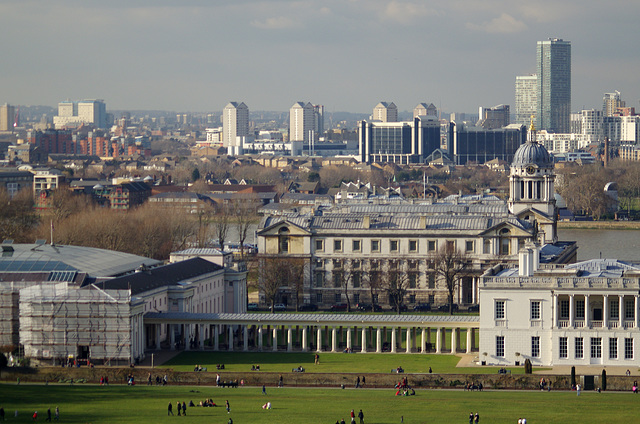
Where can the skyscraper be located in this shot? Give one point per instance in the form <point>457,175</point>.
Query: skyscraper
<point>385,112</point>
<point>7,114</point>
<point>235,123</point>
<point>301,121</point>
<point>554,85</point>
<point>611,102</point>
<point>526,98</point>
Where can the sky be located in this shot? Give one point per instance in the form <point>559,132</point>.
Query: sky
<point>197,55</point>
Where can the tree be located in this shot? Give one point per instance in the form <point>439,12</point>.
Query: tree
<point>195,174</point>
<point>372,278</point>
<point>449,265</point>
<point>397,282</point>
<point>295,268</point>
<point>245,217</point>
<point>272,274</point>
<point>220,222</point>
<point>343,278</point>
<point>17,218</point>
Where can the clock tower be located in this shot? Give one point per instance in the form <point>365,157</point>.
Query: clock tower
<point>531,191</point>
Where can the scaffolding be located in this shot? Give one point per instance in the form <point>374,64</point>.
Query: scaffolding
<point>58,322</point>
<point>10,312</point>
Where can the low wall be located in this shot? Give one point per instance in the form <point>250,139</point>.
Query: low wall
<point>303,379</point>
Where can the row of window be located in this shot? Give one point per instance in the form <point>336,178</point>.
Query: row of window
<point>354,279</point>
<point>355,298</point>
<point>535,310</point>
<point>578,343</point>
<point>394,245</point>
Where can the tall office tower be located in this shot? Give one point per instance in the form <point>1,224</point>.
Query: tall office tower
<point>494,117</point>
<point>318,120</point>
<point>301,121</point>
<point>611,103</point>
<point>424,109</point>
<point>235,123</point>
<point>385,112</point>
<point>554,85</point>
<point>526,98</point>
<point>7,117</point>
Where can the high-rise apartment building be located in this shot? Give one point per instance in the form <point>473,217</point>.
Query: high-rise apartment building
<point>492,118</point>
<point>385,112</point>
<point>318,120</point>
<point>91,112</point>
<point>235,123</point>
<point>301,122</point>
<point>7,114</point>
<point>611,103</point>
<point>526,98</point>
<point>424,109</point>
<point>554,85</point>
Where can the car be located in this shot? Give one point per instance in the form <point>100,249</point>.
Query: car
<point>279,307</point>
<point>403,308</point>
<point>445,308</point>
<point>366,307</point>
<point>307,307</point>
<point>422,307</point>
<point>338,307</point>
<point>473,308</point>
<point>252,306</point>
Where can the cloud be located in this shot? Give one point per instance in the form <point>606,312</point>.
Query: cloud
<point>504,24</point>
<point>278,22</point>
<point>405,13</point>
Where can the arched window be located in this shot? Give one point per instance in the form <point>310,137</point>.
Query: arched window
<point>283,240</point>
<point>505,241</point>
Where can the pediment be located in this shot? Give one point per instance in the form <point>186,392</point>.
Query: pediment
<point>276,229</point>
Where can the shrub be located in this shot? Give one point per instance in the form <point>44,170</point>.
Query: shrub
<point>603,383</point>
<point>528,368</point>
<point>573,376</point>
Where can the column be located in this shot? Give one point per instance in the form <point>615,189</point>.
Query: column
<point>636,311</point>
<point>157,327</point>
<point>408,350</point>
<point>274,345</point>
<point>378,340</point>
<point>304,338</point>
<point>231,338</point>
<point>423,341</point>
<point>334,339</point>
<point>621,311</point>
<point>571,310</point>
<point>554,310</point>
<point>439,340</point>
<point>216,339</point>
<point>245,337</point>
<point>605,311</point>
<point>187,337</point>
<point>201,336</point>
<point>587,321</point>
<point>454,340</point>
<point>349,338</point>
<point>319,340</point>
<point>172,337</point>
<point>393,340</point>
<point>469,333</point>
<point>289,339</point>
<point>474,285</point>
<point>260,341</point>
<point>364,339</point>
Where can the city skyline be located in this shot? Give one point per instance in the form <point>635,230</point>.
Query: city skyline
<point>346,55</point>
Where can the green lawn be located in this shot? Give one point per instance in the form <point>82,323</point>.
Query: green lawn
<point>329,362</point>
<point>142,404</point>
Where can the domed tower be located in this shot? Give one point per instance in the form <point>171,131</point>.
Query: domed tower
<point>531,192</point>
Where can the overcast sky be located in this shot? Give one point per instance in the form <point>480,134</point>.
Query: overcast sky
<point>196,55</point>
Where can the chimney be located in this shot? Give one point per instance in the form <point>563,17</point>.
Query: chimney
<point>366,222</point>
<point>423,222</point>
<point>525,262</point>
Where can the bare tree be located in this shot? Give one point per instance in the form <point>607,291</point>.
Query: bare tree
<point>373,278</point>
<point>296,268</point>
<point>397,283</point>
<point>221,222</point>
<point>272,275</point>
<point>450,264</point>
<point>245,217</point>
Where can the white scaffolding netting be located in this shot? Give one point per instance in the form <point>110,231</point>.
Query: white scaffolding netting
<point>57,321</point>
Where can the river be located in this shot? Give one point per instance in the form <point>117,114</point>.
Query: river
<point>610,244</point>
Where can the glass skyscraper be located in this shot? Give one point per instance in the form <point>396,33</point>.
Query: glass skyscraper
<point>554,85</point>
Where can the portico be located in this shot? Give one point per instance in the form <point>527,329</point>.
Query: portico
<point>326,332</point>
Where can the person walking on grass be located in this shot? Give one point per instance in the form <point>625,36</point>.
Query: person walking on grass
<point>361,416</point>
<point>170,409</point>
<point>228,406</point>
<point>264,390</point>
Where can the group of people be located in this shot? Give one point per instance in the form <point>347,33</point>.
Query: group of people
<point>353,417</point>
<point>358,385</point>
<point>198,368</point>
<point>104,380</point>
<point>544,384</point>
<point>159,380</point>
<point>474,418</point>
<point>255,367</point>
<point>473,386</point>
<point>634,389</point>
<point>34,417</point>
<point>181,407</point>
<point>299,369</point>
<point>208,403</point>
<point>399,370</point>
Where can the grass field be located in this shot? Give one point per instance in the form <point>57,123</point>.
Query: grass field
<point>142,404</point>
<point>329,362</point>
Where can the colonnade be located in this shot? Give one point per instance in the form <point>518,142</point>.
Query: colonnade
<point>595,311</point>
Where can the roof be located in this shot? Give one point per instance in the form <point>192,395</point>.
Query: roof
<point>167,275</point>
<point>532,153</point>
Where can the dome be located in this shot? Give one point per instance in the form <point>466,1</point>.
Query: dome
<point>532,153</point>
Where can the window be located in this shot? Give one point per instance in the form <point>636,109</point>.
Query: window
<point>504,246</point>
<point>629,309</point>
<point>355,264</point>
<point>628,348</point>
<point>451,245</point>
<point>412,298</point>
<point>413,246</point>
<point>355,280</point>
<point>500,346</point>
<point>432,245</point>
<point>580,309</point>
<point>564,309</point>
<point>432,298</point>
<point>356,298</point>
<point>413,280</point>
<point>413,264</point>
<point>613,348</point>
<point>614,309</point>
<point>318,297</point>
<point>469,246</point>
<point>319,245</point>
<point>432,281</point>
<point>375,265</point>
<point>486,247</point>
<point>337,245</point>
<point>535,310</point>
<point>283,240</point>
<point>596,347</point>
<point>535,346</point>
<point>319,263</point>
<point>337,264</point>
<point>393,245</point>
<point>579,347</point>
<point>563,347</point>
<point>499,309</point>
<point>356,245</point>
<point>375,245</point>
<point>374,298</point>
<point>337,297</point>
